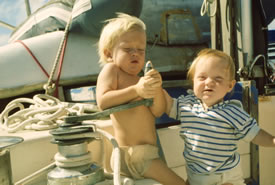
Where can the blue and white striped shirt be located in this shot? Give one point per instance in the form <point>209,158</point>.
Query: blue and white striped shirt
<point>211,135</point>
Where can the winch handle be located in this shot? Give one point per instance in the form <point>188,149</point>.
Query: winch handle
<point>107,112</point>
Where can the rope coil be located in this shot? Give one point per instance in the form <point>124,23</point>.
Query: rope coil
<point>44,112</point>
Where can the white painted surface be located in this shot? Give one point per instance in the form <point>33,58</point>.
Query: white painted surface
<point>267,155</point>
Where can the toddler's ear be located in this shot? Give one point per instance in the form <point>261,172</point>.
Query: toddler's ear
<point>231,85</point>
<point>109,59</point>
<point>108,53</point>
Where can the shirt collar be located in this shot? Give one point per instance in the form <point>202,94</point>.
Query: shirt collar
<point>215,106</point>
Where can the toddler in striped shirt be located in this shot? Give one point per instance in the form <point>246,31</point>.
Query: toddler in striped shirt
<point>212,127</point>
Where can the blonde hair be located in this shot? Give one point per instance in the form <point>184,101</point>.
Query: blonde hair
<point>113,29</point>
<point>209,53</point>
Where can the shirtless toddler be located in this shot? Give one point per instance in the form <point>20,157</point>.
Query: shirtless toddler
<point>121,49</point>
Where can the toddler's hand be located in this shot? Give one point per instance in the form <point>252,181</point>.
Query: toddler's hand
<point>156,80</point>
<point>148,85</point>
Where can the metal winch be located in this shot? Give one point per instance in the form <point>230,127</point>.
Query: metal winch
<point>73,160</point>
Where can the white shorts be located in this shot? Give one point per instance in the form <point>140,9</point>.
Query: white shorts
<point>233,176</point>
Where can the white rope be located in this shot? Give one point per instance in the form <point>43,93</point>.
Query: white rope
<point>43,113</point>
<point>205,7</point>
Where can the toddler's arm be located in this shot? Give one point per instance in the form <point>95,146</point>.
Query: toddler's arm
<point>108,94</point>
<point>159,102</point>
<point>169,102</point>
<point>263,138</point>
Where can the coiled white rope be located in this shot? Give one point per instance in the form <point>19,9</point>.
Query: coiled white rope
<point>205,7</point>
<point>44,112</point>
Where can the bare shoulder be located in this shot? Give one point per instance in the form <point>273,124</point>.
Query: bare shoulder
<point>109,68</point>
<point>107,78</point>
<point>108,72</point>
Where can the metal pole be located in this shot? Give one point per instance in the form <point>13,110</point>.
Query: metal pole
<point>28,7</point>
<point>247,32</point>
<point>6,25</point>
